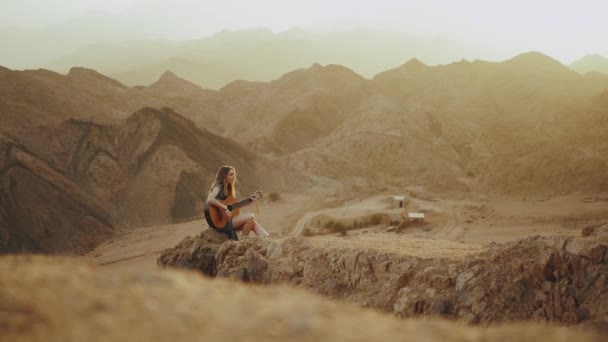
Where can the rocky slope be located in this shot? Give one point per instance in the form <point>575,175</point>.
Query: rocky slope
<point>43,211</point>
<point>38,304</point>
<point>555,278</point>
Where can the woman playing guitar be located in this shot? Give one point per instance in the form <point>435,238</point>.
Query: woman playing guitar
<point>220,195</point>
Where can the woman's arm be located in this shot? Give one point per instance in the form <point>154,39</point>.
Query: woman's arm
<point>252,199</point>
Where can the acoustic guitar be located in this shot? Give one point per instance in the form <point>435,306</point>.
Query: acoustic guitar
<point>217,218</point>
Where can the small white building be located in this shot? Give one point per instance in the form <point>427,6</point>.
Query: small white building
<point>399,201</point>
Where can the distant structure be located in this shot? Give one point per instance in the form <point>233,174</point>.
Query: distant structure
<point>398,201</point>
<point>415,217</point>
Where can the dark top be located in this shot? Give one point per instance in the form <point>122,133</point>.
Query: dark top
<point>220,195</point>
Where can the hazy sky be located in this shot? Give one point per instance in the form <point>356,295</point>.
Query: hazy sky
<point>566,30</point>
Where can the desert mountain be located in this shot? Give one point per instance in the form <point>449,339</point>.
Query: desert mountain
<point>590,63</point>
<point>203,74</point>
<point>294,110</point>
<point>39,97</point>
<point>489,123</point>
<point>31,48</point>
<point>36,97</point>
<point>468,90</point>
<point>324,119</point>
<point>475,126</point>
<point>261,55</point>
<point>170,86</point>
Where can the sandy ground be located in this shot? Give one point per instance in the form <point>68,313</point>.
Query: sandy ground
<point>139,247</point>
<point>476,221</point>
<point>452,227</point>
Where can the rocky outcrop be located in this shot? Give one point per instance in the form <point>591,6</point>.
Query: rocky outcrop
<point>59,299</point>
<point>549,278</point>
<point>595,230</point>
<point>195,252</point>
<point>556,278</point>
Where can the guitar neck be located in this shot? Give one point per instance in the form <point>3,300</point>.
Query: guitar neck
<point>240,204</point>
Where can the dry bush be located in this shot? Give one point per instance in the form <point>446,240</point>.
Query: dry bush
<point>376,219</point>
<point>339,227</point>
<point>274,196</point>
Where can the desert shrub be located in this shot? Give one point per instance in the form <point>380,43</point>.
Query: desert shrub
<point>330,224</point>
<point>339,227</point>
<point>364,222</point>
<point>274,196</point>
<point>376,219</point>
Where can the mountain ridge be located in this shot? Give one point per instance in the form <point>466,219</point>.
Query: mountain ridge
<point>589,63</point>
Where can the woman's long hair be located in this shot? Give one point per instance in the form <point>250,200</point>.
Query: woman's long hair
<point>220,177</point>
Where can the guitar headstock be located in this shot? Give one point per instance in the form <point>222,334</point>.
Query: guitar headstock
<point>257,194</point>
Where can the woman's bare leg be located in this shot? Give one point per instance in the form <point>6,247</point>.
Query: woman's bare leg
<point>259,231</point>
<point>246,220</point>
<point>247,228</point>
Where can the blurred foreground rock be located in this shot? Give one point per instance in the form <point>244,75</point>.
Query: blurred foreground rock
<point>195,252</point>
<point>60,299</point>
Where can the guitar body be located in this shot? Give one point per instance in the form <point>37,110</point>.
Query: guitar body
<point>217,218</point>
<point>217,215</point>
